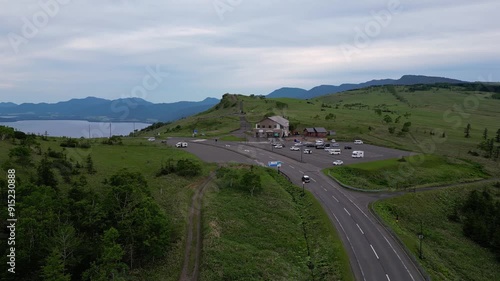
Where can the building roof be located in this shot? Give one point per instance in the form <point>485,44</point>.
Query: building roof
<point>309,130</point>
<point>280,120</point>
<point>320,130</point>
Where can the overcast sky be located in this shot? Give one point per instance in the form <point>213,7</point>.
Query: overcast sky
<point>166,51</point>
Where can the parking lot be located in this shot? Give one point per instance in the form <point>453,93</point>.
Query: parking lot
<point>322,158</point>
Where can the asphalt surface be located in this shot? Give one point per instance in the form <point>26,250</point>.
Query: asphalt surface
<point>374,253</point>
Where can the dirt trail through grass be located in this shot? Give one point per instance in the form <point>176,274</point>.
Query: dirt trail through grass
<point>190,269</point>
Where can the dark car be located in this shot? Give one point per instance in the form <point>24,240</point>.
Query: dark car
<point>347,147</point>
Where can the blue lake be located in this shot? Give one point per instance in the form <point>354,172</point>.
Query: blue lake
<point>75,128</point>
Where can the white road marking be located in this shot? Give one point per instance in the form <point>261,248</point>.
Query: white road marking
<point>347,212</point>
<point>313,180</point>
<point>374,252</point>
<point>261,153</point>
<point>360,229</point>
<point>325,189</point>
<point>349,240</point>
<point>301,172</point>
<point>388,279</point>
<point>291,166</point>
<point>335,198</point>
<point>411,276</point>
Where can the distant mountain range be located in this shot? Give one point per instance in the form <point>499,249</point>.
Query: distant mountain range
<point>317,91</point>
<point>97,109</point>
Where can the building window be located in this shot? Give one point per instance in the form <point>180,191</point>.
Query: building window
<point>270,126</point>
<point>258,126</point>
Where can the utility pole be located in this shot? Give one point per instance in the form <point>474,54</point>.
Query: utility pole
<point>421,237</point>
<point>303,191</point>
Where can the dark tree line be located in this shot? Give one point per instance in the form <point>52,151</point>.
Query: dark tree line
<point>480,218</point>
<point>72,231</point>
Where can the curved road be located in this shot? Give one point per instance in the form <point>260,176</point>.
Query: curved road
<point>374,252</point>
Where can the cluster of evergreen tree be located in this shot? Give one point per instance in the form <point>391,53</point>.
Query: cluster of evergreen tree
<point>75,231</point>
<point>480,218</point>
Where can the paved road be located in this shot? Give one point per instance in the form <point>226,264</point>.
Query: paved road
<point>374,253</point>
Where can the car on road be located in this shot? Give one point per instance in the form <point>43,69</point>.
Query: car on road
<point>358,142</point>
<point>338,162</point>
<point>295,148</point>
<point>151,139</point>
<point>306,178</point>
<point>278,145</point>
<point>347,147</point>
<point>181,144</point>
<point>309,144</point>
<point>308,151</point>
<point>335,145</point>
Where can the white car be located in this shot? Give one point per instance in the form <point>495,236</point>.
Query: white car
<point>295,148</point>
<point>338,162</point>
<point>151,139</point>
<point>307,151</point>
<point>306,178</point>
<point>181,144</point>
<point>333,140</point>
<point>278,146</point>
<point>358,142</point>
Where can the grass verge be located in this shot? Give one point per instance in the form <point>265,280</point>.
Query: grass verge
<point>412,171</point>
<point>447,253</point>
<point>277,234</point>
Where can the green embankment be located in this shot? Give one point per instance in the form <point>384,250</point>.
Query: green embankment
<point>448,254</point>
<point>407,172</point>
<point>277,234</point>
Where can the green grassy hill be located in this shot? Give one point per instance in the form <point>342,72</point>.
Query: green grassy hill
<point>436,117</point>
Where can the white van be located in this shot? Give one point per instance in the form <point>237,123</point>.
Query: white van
<point>335,151</point>
<point>358,154</point>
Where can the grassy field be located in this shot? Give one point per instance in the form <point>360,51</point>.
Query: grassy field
<point>402,173</point>
<point>448,254</point>
<point>173,193</point>
<point>262,237</point>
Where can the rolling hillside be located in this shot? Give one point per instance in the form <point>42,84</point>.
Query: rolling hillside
<point>435,116</point>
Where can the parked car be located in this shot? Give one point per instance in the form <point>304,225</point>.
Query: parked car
<point>151,139</point>
<point>306,178</point>
<point>358,154</point>
<point>310,144</point>
<point>338,162</point>
<point>347,147</point>
<point>320,146</point>
<point>278,145</point>
<point>358,142</point>
<point>332,140</point>
<point>335,145</point>
<point>181,144</point>
<point>295,148</point>
<point>308,151</point>
<point>335,151</point>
